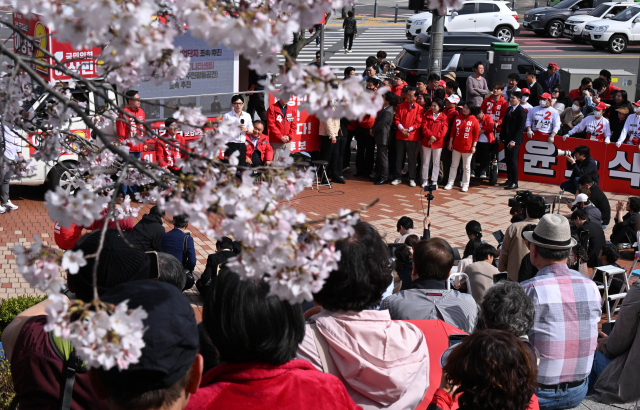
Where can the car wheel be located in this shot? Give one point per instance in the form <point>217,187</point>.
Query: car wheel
<point>504,34</point>
<point>63,176</point>
<point>554,29</point>
<point>617,44</point>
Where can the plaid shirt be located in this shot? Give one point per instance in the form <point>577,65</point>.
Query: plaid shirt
<point>565,332</point>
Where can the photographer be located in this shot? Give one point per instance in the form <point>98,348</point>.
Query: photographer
<point>582,164</point>
<point>588,230</point>
<point>582,202</point>
<point>625,228</point>
<point>513,246</point>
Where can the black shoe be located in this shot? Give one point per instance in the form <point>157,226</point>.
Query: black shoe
<point>511,186</point>
<point>338,180</point>
<point>381,182</point>
<point>505,183</point>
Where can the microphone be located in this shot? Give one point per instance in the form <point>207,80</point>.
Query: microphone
<point>242,121</point>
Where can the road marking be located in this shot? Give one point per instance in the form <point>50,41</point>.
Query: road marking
<point>580,56</point>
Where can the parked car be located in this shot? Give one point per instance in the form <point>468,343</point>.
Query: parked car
<point>574,25</point>
<point>460,52</point>
<point>483,16</point>
<point>616,33</point>
<point>550,20</point>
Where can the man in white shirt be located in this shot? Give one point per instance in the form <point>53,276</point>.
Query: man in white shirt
<point>10,147</point>
<point>631,130</point>
<point>245,125</point>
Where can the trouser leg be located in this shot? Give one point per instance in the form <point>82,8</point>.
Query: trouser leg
<point>426,161</point>
<point>412,153</point>
<point>435,171</point>
<point>370,152</point>
<point>466,168</point>
<point>445,159</point>
<point>400,151</point>
<point>453,171</point>
<point>5,178</point>
<point>383,161</point>
<point>483,152</point>
<point>280,150</point>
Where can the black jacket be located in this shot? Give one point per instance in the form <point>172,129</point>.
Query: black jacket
<point>600,201</point>
<point>213,261</point>
<point>148,233</point>
<point>596,242</point>
<point>536,91</point>
<point>381,127</point>
<point>625,231</point>
<point>513,125</point>
<point>586,167</point>
<point>350,26</point>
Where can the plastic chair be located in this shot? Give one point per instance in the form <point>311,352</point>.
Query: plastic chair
<point>321,166</point>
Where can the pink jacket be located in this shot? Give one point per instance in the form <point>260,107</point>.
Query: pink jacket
<point>382,363</point>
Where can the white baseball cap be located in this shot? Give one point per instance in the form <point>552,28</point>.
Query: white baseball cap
<point>453,98</point>
<point>581,198</point>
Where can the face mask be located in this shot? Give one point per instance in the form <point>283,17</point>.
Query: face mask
<point>524,98</point>
<point>544,104</point>
<point>597,114</point>
<point>575,108</point>
<point>636,109</point>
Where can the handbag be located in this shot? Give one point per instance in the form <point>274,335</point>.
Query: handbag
<point>188,272</point>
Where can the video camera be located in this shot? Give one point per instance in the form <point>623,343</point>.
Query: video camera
<point>562,153</point>
<point>522,198</point>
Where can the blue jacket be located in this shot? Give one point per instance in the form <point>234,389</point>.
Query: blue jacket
<point>172,243</point>
<point>548,81</point>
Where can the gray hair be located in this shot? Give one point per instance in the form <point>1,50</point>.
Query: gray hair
<point>506,306</point>
<point>171,271</point>
<point>555,255</point>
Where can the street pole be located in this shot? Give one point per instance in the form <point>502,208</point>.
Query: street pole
<point>395,19</point>
<point>435,48</point>
<point>375,10</point>
<point>513,5</point>
<point>536,5</point>
<point>322,43</point>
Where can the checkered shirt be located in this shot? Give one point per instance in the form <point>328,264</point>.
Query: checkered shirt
<point>565,332</point>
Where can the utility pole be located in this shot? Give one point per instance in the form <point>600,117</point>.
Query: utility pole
<point>435,48</point>
<point>322,42</point>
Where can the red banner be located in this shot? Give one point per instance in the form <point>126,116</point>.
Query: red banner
<point>618,168</point>
<point>306,139</point>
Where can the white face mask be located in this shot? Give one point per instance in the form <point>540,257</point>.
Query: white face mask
<point>597,114</point>
<point>636,109</point>
<point>575,108</point>
<point>544,103</point>
<point>525,98</point>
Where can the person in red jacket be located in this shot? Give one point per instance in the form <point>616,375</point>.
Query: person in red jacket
<point>408,120</point>
<point>131,132</point>
<point>434,129</point>
<point>259,150</point>
<point>495,105</point>
<point>464,138</point>
<point>257,340</point>
<point>398,83</point>
<point>167,155</point>
<point>282,126</point>
<point>485,139</point>
<point>610,89</point>
<point>451,110</point>
<point>66,238</point>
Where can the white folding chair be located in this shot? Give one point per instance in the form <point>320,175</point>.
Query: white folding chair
<point>608,272</point>
<point>457,275</point>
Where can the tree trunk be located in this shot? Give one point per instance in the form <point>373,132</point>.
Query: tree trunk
<point>299,41</point>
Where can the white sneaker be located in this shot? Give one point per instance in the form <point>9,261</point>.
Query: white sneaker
<point>11,206</point>
<point>483,175</point>
<point>425,183</point>
<point>412,183</point>
<point>346,51</point>
<point>448,186</point>
<point>2,209</point>
<point>465,189</point>
<point>396,182</point>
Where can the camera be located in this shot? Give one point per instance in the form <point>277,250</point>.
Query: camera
<point>430,188</point>
<point>521,199</point>
<point>562,153</point>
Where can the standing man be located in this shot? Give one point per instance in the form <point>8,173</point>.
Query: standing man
<point>550,78</point>
<point>495,105</point>
<point>512,135</point>
<point>512,85</point>
<point>256,100</point>
<point>446,156</point>
<point>585,84</point>
<point>434,81</point>
<point>10,152</point>
<point>421,86</point>
<point>407,120</point>
<point>167,155</point>
<point>567,311</point>
<point>534,87</point>
<point>477,87</point>
<point>350,27</point>
<point>398,83</point>
<point>348,128</point>
<point>365,154</point>
<point>380,132</point>
<point>606,75</point>
<point>282,123</point>
<point>244,123</point>
<point>131,132</point>
<point>543,120</point>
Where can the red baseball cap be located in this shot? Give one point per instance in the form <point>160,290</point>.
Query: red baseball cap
<point>601,106</point>
<point>443,83</point>
<point>545,96</point>
<point>637,103</point>
<point>527,91</point>
<point>553,65</point>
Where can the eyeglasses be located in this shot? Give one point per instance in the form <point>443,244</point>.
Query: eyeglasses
<point>237,103</point>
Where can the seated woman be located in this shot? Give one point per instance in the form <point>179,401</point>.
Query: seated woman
<point>489,369</point>
<point>614,375</point>
<point>624,231</point>
<point>382,363</point>
<point>257,336</point>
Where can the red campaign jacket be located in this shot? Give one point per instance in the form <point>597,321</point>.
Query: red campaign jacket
<point>352,125</point>
<point>397,90</point>
<point>408,118</point>
<point>610,90</point>
<point>434,128</point>
<point>488,127</point>
<point>167,155</point>
<point>496,109</point>
<point>126,128</point>
<point>367,122</point>
<point>277,126</point>
<point>465,133</point>
<point>266,151</point>
<point>292,386</point>
<point>66,238</point>
<point>443,401</point>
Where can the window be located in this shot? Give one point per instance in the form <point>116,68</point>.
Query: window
<point>469,8</point>
<point>617,10</point>
<point>487,8</point>
<point>469,59</point>
<point>585,4</point>
<point>407,60</point>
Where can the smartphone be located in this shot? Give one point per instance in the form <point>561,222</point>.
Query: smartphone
<point>499,277</point>
<point>154,265</point>
<point>455,339</point>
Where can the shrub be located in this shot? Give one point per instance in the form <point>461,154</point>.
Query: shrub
<point>10,308</point>
<point>6,383</point>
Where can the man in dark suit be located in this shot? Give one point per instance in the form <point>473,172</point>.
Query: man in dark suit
<point>512,136</point>
<point>535,88</point>
<point>595,234</point>
<point>380,131</point>
<point>224,252</point>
